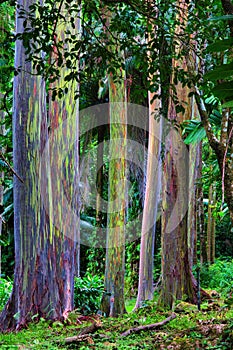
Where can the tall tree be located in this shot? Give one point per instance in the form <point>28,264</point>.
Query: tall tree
<point>64,157</point>
<point>43,277</point>
<point>113,301</point>
<point>152,192</point>
<point>211,224</point>
<point>177,279</point>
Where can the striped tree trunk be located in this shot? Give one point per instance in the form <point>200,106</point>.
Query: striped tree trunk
<point>44,268</point>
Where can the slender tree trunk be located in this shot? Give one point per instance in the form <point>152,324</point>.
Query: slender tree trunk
<point>153,186</point>
<point>2,150</point>
<point>201,232</point>
<point>211,225</point>
<point>153,181</point>
<point>195,166</point>
<point>115,255</point>
<point>99,180</point>
<point>64,162</point>
<point>191,225</point>
<point>113,303</point>
<point>177,278</point>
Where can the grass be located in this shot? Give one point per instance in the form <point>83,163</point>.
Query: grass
<point>211,328</point>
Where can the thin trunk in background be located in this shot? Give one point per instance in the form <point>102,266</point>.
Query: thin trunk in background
<point>2,151</point>
<point>200,215</point>
<point>211,224</point>
<point>195,165</point>
<point>192,223</point>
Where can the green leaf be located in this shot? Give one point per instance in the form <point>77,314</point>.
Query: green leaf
<point>225,71</point>
<point>221,18</point>
<point>223,90</point>
<point>196,135</point>
<point>220,45</point>
<point>228,104</point>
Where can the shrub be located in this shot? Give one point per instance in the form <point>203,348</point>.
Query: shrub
<point>218,276</point>
<point>5,291</point>
<point>87,293</point>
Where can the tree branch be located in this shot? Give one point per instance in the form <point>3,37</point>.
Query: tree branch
<point>148,326</point>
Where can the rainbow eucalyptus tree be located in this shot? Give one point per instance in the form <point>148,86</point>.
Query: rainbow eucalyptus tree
<point>113,301</point>
<point>44,256</point>
<point>152,192</point>
<point>177,279</point>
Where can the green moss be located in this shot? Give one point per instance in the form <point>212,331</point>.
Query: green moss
<point>190,330</point>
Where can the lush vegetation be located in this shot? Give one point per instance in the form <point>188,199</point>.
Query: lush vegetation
<point>99,237</point>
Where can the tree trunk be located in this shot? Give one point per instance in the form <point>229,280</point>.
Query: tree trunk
<point>43,277</point>
<point>113,303</point>
<point>195,167</point>
<point>115,254</point>
<point>191,224</point>
<point>177,278</point>
<point>2,151</point>
<point>211,225</point>
<point>201,232</point>
<point>153,186</point>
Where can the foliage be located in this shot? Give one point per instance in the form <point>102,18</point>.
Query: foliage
<point>5,291</point>
<point>88,291</point>
<point>218,276</point>
<point>132,268</point>
<point>222,87</point>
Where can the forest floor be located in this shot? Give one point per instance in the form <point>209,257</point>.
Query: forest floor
<point>210,328</point>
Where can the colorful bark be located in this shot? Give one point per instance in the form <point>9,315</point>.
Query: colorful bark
<point>63,153</point>
<point>113,303</point>
<point>43,278</point>
<point>28,115</point>
<point>115,254</point>
<point>153,186</point>
<point>177,279</point>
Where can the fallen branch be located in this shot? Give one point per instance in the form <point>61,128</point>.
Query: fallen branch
<point>148,326</point>
<point>84,333</point>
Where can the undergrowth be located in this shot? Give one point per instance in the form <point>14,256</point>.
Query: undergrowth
<point>191,329</point>
<point>211,328</point>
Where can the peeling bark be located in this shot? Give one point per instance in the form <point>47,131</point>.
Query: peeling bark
<point>43,276</point>
<point>177,278</point>
<point>153,187</point>
<point>113,303</point>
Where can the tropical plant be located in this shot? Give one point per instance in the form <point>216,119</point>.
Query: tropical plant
<point>88,291</point>
<point>5,291</point>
